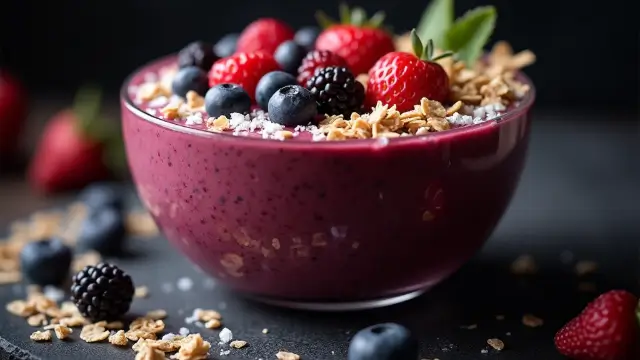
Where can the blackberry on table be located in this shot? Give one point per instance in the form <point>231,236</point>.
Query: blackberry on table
<point>336,91</point>
<point>102,292</point>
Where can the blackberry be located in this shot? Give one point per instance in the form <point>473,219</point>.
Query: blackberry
<point>102,292</point>
<point>336,91</point>
<point>199,54</point>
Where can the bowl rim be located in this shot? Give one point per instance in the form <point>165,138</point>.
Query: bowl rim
<point>127,103</point>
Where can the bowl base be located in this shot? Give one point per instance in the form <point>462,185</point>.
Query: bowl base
<point>342,306</point>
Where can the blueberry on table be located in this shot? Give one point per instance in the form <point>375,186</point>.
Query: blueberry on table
<point>188,79</point>
<point>199,54</point>
<point>289,56</point>
<point>383,342</point>
<point>307,36</point>
<point>292,105</point>
<point>46,262</point>
<point>102,292</point>
<point>100,195</point>
<point>226,46</point>
<point>270,83</point>
<point>225,99</point>
<point>103,230</point>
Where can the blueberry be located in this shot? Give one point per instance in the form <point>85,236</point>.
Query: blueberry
<point>103,230</point>
<point>307,36</point>
<point>270,83</point>
<point>197,53</point>
<point>226,46</point>
<point>190,78</point>
<point>289,56</point>
<point>100,195</point>
<point>46,262</point>
<point>225,99</point>
<point>383,342</point>
<point>292,105</point>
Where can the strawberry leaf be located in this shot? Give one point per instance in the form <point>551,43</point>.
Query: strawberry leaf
<point>470,33</point>
<point>436,21</point>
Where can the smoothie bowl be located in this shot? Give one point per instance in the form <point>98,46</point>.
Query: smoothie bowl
<point>366,206</point>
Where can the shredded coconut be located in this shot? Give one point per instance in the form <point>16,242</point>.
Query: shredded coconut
<point>225,336</point>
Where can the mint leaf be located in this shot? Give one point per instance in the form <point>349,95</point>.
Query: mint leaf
<point>436,21</point>
<point>470,33</point>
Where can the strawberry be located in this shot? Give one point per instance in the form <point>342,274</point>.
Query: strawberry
<point>402,79</point>
<point>317,59</point>
<point>72,148</point>
<point>356,39</point>
<point>244,69</point>
<point>607,329</point>
<point>13,113</point>
<point>264,35</point>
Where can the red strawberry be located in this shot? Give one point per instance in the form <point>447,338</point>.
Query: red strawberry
<point>244,69</point>
<point>607,329</point>
<point>357,39</point>
<point>316,59</point>
<point>264,35</point>
<point>13,113</point>
<point>402,79</point>
<point>67,157</point>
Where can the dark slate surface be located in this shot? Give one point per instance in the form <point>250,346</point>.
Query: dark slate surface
<point>579,196</point>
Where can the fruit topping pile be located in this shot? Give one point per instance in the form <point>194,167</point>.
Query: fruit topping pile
<point>351,79</point>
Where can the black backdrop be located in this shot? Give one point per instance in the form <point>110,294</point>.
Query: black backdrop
<point>588,50</point>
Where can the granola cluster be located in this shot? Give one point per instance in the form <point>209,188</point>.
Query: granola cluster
<point>64,225</point>
<point>386,121</point>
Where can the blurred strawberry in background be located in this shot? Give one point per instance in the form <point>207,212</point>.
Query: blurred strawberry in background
<point>13,113</point>
<point>77,147</point>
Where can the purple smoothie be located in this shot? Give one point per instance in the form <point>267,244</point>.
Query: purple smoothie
<point>312,221</point>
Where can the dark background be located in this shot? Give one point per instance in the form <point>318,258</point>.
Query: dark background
<point>587,50</point>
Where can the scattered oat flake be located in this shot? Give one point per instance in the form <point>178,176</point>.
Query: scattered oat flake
<point>114,325</point>
<point>141,292</point>
<point>73,321</point>
<point>118,338</point>
<point>207,315</point>
<point>62,332</point>
<point>135,335</point>
<point>213,324</point>
<point>158,314</point>
<point>141,224</point>
<point>10,277</point>
<point>149,352</point>
<point>193,348</point>
<point>496,344</point>
<point>93,333</point>
<point>586,267</point>
<point>283,355</point>
<point>524,265</point>
<point>532,321</point>
<point>238,344</point>
<point>41,335</point>
<point>37,320</point>
<point>20,308</point>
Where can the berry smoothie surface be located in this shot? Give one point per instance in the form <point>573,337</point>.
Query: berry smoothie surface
<point>306,205</point>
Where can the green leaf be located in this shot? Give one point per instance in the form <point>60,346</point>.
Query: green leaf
<point>358,16</point>
<point>436,21</point>
<point>324,20</point>
<point>376,20</point>
<point>416,44</point>
<point>470,33</point>
<point>345,13</point>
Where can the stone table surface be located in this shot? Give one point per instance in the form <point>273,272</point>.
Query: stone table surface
<point>578,200</point>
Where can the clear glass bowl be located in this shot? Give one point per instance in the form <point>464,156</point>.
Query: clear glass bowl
<point>326,225</point>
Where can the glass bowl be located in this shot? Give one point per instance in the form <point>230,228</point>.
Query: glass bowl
<point>331,225</point>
